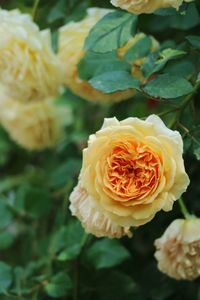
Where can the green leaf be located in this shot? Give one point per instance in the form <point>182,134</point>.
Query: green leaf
<point>5,214</point>
<point>156,61</point>
<point>67,241</point>
<point>5,277</point>
<point>194,40</point>
<point>165,12</point>
<point>57,12</point>
<point>165,56</point>
<point>194,136</point>
<point>198,77</point>
<point>54,40</point>
<point>197,152</point>
<point>150,62</point>
<point>107,253</point>
<point>59,285</point>
<point>111,32</point>
<point>168,86</point>
<point>5,147</point>
<point>114,81</point>
<point>67,11</point>
<point>6,240</point>
<point>93,64</point>
<point>77,13</point>
<point>64,172</point>
<point>182,68</point>
<point>116,285</point>
<point>71,252</point>
<point>186,20</point>
<point>33,201</point>
<point>139,50</point>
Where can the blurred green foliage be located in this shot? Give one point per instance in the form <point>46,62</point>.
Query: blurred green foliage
<point>44,252</point>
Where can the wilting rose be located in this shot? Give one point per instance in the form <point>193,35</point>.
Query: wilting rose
<point>131,170</point>
<point>178,250</point>
<point>146,6</point>
<point>34,125</point>
<point>29,69</point>
<point>71,41</point>
<point>92,217</point>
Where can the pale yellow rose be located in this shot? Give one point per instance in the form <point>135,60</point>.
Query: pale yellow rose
<point>178,250</point>
<point>131,170</point>
<point>71,41</point>
<point>29,69</point>
<point>34,125</point>
<point>146,6</point>
<point>92,217</point>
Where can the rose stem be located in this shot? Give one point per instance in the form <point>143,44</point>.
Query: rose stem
<point>35,7</point>
<point>183,208</point>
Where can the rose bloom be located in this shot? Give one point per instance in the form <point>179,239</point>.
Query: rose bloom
<point>146,6</point>
<point>178,250</point>
<point>29,69</point>
<point>71,41</point>
<point>131,170</point>
<point>34,125</point>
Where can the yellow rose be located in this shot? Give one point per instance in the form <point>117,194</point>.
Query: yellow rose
<point>131,170</point>
<point>71,41</point>
<point>146,6</point>
<point>178,250</point>
<point>34,125</point>
<point>29,69</point>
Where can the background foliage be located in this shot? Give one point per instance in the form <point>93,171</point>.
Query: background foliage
<point>44,252</point>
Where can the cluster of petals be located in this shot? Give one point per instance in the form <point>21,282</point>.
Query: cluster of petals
<point>35,125</point>
<point>30,78</point>
<point>146,6</point>
<point>131,170</point>
<point>178,250</point>
<point>29,69</point>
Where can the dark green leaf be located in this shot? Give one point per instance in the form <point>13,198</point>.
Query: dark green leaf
<point>182,68</point>
<point>58,11</point>
<point>186,20</point>
<point>5,277</point>
<point>194,40</point>
<point>6,240</point>
<point>114,81</point>
<point>35,202</point>
<point>5,147</point>
<point>165,12</point>
<point>168,86</point>
<point>116,285</point>
<point>5,214</point>
<point>198,77</point>
<point>107,253</point>
<point>111,32</point>
<point>67,241</point>
<point>64,172</point>
<point>59,285</point>
<point>71,252</point>
<point>197,152</point>
<point>93,64</point>
<point>156,61</point>
<point>165,56</point>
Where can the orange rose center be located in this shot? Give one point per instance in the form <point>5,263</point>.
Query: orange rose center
<point>132,170</point>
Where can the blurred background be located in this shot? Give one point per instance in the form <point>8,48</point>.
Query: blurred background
<point>44,252</point>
